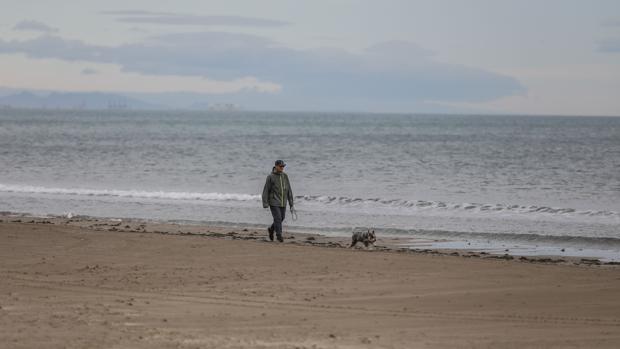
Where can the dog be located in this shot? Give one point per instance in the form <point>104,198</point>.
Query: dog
<point>367,237</point>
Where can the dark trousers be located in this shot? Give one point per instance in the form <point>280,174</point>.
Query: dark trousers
<point>278,214</point>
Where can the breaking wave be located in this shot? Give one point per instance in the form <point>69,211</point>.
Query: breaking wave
<point>445,206</point>
<point>310,200</point>
<point>130,193</point>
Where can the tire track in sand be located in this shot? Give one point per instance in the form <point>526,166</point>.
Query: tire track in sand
<point>337,309</point>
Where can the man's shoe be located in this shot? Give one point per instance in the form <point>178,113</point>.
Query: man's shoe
<point>280,238</point>
<point>270,230</point>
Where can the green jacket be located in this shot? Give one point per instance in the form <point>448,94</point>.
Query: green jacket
<point>277,190</point>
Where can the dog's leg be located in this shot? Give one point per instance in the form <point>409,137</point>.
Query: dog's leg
<point>353,242</point>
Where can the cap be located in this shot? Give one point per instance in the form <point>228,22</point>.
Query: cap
<point>280,163</point>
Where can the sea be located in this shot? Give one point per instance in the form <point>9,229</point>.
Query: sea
<point>528,185</point>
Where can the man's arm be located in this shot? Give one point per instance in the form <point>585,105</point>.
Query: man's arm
<point>290,192</point>
<point>266,190</point>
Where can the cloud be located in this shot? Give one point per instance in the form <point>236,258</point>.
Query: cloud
<point>392,73</point>
<point>49,46</point>
<point>134,13</point>
<point>89,71</point>
<point>138,30</point>
<point>59,75</point>
<point>166,18</point>
<point>610,45</point>
<point>34,26</point>
<point>612,22</point>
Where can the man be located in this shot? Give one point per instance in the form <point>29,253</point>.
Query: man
<point>276,192</point>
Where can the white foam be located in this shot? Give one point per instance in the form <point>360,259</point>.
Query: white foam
<point>448,208</point>
<point>129,193</point>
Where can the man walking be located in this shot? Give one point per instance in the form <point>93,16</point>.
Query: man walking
<point>276,192</point>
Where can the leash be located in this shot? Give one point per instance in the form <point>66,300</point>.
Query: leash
<point>293,214</point>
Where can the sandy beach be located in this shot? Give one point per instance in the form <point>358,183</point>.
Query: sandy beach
<point>90,283</point>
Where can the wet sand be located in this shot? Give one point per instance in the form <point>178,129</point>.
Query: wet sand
<point>94,283</point>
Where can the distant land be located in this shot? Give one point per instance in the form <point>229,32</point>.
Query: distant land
<point>73,100</point>
<point>10,98</point>
<point>242,100</point>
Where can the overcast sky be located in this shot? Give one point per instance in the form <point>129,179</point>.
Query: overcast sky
<point>503,56</point>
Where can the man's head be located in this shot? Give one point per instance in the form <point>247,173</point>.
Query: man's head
<point>280,165</point>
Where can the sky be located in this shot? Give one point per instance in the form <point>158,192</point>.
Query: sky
<point>544,57</point>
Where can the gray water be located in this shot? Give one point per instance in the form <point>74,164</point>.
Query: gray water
<point>551,181</point>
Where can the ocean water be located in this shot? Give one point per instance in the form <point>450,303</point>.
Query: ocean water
<point>521,181</point>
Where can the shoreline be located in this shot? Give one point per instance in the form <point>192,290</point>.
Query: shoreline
<point>258,233</point>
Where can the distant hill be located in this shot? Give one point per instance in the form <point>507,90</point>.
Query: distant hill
<point>75,100</point>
